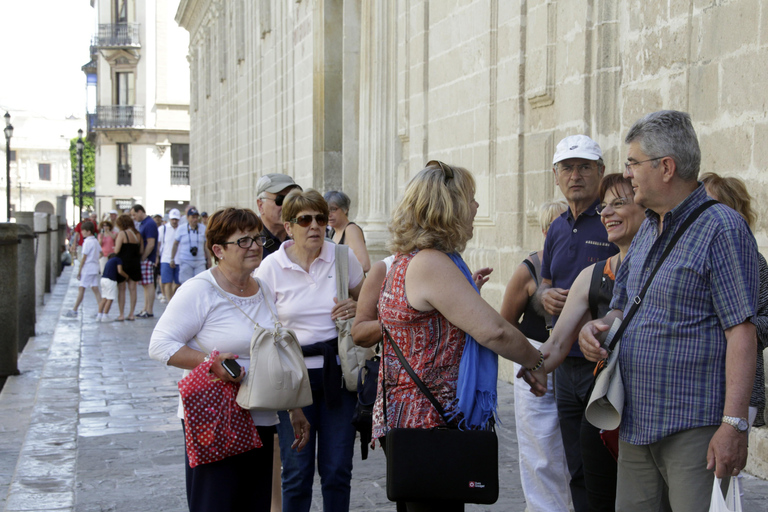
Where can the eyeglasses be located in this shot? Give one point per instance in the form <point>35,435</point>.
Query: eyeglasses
<point>247,241</point>
<point>305,220</point>
<point>628,165</point>
<point>616,204</point>
<point>447,169</point>
<point>278,199</point>
<point>582,169</point>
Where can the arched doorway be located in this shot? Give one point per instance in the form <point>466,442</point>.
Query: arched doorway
<point>45,207</point>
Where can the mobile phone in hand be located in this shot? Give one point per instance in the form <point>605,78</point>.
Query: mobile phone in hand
<point>231,367</point>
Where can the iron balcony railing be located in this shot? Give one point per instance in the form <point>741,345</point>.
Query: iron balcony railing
<point>118,35</point>
<point>119,116</point>
<point>179,175</point>
<point>123,174</point>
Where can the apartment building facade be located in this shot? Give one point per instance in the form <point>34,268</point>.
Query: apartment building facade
<point>138,113</point>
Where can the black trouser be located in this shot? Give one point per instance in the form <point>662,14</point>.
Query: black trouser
<point>592,467</point>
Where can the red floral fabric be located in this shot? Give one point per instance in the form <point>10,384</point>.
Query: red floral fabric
<point>215,427</point>
<point>431,345</point>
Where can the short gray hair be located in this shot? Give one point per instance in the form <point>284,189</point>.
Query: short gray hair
<point>338,198</point>
<point>669,133</point>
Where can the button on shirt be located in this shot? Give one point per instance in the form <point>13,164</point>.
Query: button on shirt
<point>571,246</point>
<point>188,237</point>
<point>304,299</point>
<point>672,354</point>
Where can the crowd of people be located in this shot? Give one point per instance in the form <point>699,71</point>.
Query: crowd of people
<point>690,358</point>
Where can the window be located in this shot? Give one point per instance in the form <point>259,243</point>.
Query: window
<point>123,164</point>
<point>13,155</point>
<point>124,90</point>
<point>120,10</point>
<point>179,164</point>
<point>44,171</point>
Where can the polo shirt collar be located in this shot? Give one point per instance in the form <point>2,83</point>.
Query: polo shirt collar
<point>327,253</point>
<point>590,211</point>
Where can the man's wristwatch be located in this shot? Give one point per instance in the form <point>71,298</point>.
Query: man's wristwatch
<point>740,424</point>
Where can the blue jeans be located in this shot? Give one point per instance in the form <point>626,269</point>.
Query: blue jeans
<point>332,438</point>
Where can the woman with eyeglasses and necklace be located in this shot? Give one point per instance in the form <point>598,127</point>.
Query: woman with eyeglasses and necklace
<point>302,277</point>
<point>216,310</point>
<point>589,298</point>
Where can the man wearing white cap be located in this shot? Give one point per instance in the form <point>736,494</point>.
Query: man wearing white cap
<point>575,240</point>
<point>169,277</point>
<point>271,190</point>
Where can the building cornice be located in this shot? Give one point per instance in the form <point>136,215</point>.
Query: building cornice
<point>190,14</point>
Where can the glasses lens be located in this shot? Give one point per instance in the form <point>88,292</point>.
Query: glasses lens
<point>305,220</point>
<point>245,243</point>
<point>279,200</point>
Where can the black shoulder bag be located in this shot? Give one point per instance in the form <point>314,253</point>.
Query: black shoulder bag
<point>443,463</point>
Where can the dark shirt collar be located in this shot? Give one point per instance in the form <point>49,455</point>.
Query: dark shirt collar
<point>590,211</point>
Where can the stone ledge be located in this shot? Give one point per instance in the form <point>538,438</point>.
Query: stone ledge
<point>757,462</point>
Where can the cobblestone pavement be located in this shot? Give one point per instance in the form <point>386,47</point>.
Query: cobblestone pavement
<point>90,425</point>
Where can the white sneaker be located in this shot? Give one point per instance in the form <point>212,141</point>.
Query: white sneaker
<point>106,320</point>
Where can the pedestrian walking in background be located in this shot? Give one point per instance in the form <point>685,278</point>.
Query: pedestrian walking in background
<point>543,469</point>
<point>148,231</point>
<point>442,312</point>
<point>129,246</point>
<point>166,236</point>
<point>301,275</point>
<point>344,231</point>
<point>190,251</point>
<point>687,358</point>
<point>215,310</point>
<point>107,241</point>
<point>111,278</point>
<point>88,272</point>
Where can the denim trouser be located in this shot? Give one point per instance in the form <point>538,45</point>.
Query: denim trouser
<point>332,438</point>
<point>592,467</point>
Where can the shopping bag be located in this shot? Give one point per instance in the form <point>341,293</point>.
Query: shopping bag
<point>732,500</point>
<point>215,427</point>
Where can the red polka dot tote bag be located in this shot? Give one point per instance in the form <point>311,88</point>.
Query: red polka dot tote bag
<point>215,427</point>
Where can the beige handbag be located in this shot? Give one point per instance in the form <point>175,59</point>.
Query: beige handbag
<point>351,356</point>
<point>606,402</point>
<point>277,378</point>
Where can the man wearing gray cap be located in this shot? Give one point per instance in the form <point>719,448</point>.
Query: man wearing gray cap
<point>272,189</point>
<point>574,241</point>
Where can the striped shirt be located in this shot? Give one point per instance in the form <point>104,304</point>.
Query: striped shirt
<point>672,355</point>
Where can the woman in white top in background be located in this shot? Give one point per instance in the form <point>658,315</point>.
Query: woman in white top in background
<point>209,313</point>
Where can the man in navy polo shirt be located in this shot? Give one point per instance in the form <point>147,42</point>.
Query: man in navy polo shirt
<point>148,231</point>
<point>575,240</point>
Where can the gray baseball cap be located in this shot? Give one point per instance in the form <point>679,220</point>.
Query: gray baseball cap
<point>274,183</point>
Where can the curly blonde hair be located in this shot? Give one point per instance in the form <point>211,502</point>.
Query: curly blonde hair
<point>435,212</point>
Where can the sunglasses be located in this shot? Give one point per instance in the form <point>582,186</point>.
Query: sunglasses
<point>247,241</point>
<point>278,199</point>
<point>447,169</point>
<point>305,220</point>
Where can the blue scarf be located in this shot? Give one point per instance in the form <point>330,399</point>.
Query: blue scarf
<point>478,373</point>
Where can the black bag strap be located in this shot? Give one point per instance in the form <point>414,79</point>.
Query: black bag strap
<point>415,378</point>
<point>532,270</point>
<point>639,299</point>
<point>594,287</point>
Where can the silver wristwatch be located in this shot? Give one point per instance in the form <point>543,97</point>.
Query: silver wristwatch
<point>740,424</point>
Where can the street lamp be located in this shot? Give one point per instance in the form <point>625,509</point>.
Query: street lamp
<point>8,134</point>
<point>80,146</point>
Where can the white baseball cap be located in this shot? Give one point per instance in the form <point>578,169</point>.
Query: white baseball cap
<point>577,146</point>
<point>174,214</point>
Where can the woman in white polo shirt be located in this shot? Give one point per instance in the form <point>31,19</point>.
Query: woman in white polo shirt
<point>302,277</point>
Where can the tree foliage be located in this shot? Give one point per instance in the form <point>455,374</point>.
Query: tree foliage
<point>89,172</point>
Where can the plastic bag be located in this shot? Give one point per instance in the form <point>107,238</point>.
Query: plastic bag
<point>215,427</point>
<point>732,500</point>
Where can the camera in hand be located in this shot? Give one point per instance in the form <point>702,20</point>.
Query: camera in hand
<point>193,251</point>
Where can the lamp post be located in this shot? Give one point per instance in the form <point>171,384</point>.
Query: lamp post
<point>80,146</point>
<point>8,134</point>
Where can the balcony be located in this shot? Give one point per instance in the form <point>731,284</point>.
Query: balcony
<point>118,35</point>
<point>179,175</point>
<point>119,116</point>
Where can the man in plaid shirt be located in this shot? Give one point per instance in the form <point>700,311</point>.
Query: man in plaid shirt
<point>687,358</point>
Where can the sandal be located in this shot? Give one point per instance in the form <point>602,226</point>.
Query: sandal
<point>144,314</point>
<point>131,318</point>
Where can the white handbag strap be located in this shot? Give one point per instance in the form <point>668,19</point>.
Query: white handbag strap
<point>342,272</point>
<point>267,300</point>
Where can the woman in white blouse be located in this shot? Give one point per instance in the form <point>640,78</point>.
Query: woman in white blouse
<point>302,277</point>
<point>209,313</point>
